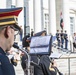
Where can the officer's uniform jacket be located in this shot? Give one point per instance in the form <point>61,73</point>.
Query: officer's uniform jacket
<point>62,36</point>
<point>6,68</point>
<point>58,36</point>
<point>65,36</point>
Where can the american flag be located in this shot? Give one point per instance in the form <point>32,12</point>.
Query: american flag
<point>61,21</point>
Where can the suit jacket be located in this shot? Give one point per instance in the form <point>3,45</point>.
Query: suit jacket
<point>6,68</point>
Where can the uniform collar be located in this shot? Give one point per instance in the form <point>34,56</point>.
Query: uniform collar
<point>2,52</point>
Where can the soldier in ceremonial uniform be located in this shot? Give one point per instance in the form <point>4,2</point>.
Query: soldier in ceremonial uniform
<point>66,39</point>
<point>8,26</point>
<point>62,38</point>
<point>58,38</point>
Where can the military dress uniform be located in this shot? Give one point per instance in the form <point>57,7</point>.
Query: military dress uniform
<point>40,33</point>
<point>6,68</point>
<point>58,38</point>
<point>66,40</point>
<point>8,17</point>
<point>62,39</point>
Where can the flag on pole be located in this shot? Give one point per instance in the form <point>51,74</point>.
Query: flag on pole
<point>61,21</point>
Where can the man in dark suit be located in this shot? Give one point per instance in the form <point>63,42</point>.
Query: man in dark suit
<point>8,26</point>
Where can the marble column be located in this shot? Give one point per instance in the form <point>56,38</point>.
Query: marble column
<point>3,4</point>
<point>66,18</point>
<point>52,17</point>
<point>31,15</point>
<point>37,16</point>
<point>21,15</point>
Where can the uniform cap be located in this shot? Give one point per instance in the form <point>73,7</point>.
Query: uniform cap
<point>39,33</point>
<point>10,17</point>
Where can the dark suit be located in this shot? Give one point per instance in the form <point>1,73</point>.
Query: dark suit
<point>6,68</point>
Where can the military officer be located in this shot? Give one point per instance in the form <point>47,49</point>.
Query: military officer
<point>62,38</point>
<point>8,25</point>
<point>58,38</point>
<point>66,39</point>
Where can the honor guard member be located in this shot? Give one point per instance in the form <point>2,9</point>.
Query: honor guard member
<point>62,38</point>
<point>8,26</point>
<point>66,39</point>
<point>58,38</point>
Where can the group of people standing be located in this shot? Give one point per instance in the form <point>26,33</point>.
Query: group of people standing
<point>62,39</point>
